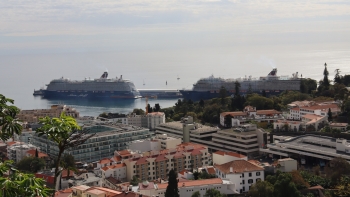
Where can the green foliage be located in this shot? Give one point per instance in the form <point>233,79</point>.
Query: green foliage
<point>172,188</point>
<point>308,85</point>
<point>338,167</point>
<point>139,111</point>
<point>65,132</point>
<point>21,184</point>
<point>9,124</point>
<point>261,189</point>
<point>260,102</point>
<point>31,164</point>
<point>156,107</point>
<point>196,194</point>
<point>314,180</point>
<point>134,181</point>
<point>214,193</point>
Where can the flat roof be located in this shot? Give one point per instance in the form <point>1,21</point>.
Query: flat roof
<point>179,126</point>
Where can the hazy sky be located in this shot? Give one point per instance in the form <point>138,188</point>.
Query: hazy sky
<point>38,26</point>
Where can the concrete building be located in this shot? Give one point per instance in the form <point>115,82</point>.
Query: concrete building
<point>308,146</point>
<point>241,173</point>
<point>18,150</point>
<point>246,139</point>
<point>286,165</point>
<point>221,157</point>
<point>248,114</point>
<point>156,164</point>
<point>159,142</point>
<point>87,191</point>
<point>282,125</point>
<point>117,171</point>
<point>187,188</point>
<point>340,126</point>
<point>55,111</point>
<point>108,138</point>
<point>313,122</point>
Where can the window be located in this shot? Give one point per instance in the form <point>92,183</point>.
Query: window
<point>250,181</point>
<point>243,175</point>
<point>243,188</point>
<point>243,182</point>
<point>250,174</point>
<point>257,173</point>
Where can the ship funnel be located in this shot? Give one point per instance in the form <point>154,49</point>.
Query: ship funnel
<point>104,75</point>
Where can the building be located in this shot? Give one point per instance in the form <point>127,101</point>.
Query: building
<point>245,139</point>
<point>313,122</point>
<point>340,126</point>
<point>248,114</point>
<point>117,171</point>
<point>55,111</point>
<point>241,173</point>
<point>18,150</point>
<point>156,164</point>
<point>31,153</point>
<point>187,188</point>
<point>159,142</point>
<point>151,120</point>
<point>308,147</point>
<point>221,157</point>
<point>286,165</point>
<point>108,138</point>
<point>289,125</point>
<point>321,109</point>
<point>87,191</point>
<point>85,178</point>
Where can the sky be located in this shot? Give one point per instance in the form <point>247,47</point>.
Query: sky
<point>157,41</point>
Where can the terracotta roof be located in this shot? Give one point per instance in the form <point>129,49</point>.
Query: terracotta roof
<point>142,160</point>
<point>81,187</point>
<point>265,112</point>
<point>236,113</point>
<point>233,154</point>
<point>196,152</point>
<point>115,166</point>
<point>193,183</point>
<point>105,160</point>
<point>109,192</point>
<point>124,153</point>
<point>315,107</point>
<point>183,172</point>
<point>338,124</point>
<point>40,154</point>
<point>211,170</point>
<point>113,180</point>
<point>96,192</point>
<point>295,109</point>
<point>145,185</point>
<point>315,187</point>
<point>161,157</point>
<point>129,194</point>
<point>238,166</point>
<point>65,173</point>
<point>117,158</point>
<point>10,143</point>
<point>64,193</point>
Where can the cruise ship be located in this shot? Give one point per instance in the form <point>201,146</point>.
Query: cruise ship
<point>104,87</point>
<point>208,88</point>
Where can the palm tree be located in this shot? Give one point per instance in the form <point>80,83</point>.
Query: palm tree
<point>9,123</point>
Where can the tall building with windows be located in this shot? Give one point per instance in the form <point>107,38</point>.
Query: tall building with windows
<point>108,138</point>
<point>156,164</point>
<point>55,111</point>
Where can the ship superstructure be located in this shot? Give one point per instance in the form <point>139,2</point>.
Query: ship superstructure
<point>207,88</point>
<point>102,87</point>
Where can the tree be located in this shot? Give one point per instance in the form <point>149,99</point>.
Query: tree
<point>172,188</point>
<point>9,124</point>
<point>36,153</point>
<point>201,103</point>
<point>66,133</point>
<point>214,193</point>
<point>325,77</point>
<point>196,175</point>
<point>138,111</point>
<point>196,194</point>
<point>149,108</point>
<point>223,94</point>
<point>337,77</point>
<point>156,107</point>
<point>284,187</point>
<point>261,189</point>
<point>337,168</point>
<point>31,164</point>
<point>134,181</point>
<point>20,184</point>
<point>330,118</point>
<point>68,163</point>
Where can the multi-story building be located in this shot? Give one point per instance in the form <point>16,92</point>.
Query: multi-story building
<point>187,188</point>
<point>321,109</point>
<point>156,164</point>
<point>151,120</point>
<point>108,138</point>
<point>17,151</point>
<point>246,139</point>
<point>117,171</point>
<point>241,173</point>
<point>248,114</point>
<point>159,142</point>
<point>286,165</point>
<point>55,111</point>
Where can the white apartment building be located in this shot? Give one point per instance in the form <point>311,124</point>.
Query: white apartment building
<point>221,157</point>
<point>187,188</point>
<point>17,151</point>
<point>321,109</point>
<point>117,171</point>
<point>55,111</point>
<point>286,165</point>
<point>151,120</point>
<point>250,113</point>
<point>159,142</point>
<point>156,164</point>
<point>241,173</point>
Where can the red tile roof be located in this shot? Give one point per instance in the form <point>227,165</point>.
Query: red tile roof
<point>267,112</point>
<point>193,183</point>
<point>238,166</point>
<point>145,185</point>
<point>124,153</point>
<point>211,170</point>
<point>40,154</point>
<point>233,154</point>
<point>115,166</point>
<point>64,193</point>
<point>105,160</point>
